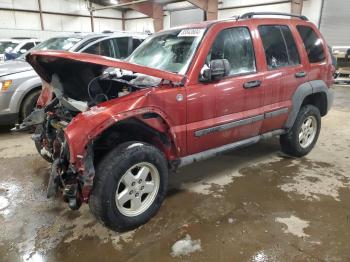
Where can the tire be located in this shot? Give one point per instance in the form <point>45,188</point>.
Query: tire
<point>297,143</point>
<point>111,174</point>
<point>29,104</point>
<point>38,143</point>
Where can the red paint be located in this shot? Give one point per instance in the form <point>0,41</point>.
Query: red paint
<point>46,95</point>
<point>53,56</point>
<point>204,105</point>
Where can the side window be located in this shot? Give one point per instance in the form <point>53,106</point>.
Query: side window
<point>121,47</point>
<point>135,43</point>
<point>103,48</point>
<point>312,43</point>
<point>28,46</point>
<point>279,45</point>
<point>86,43</point>
<point>293,54</point>
<point>235,45</point>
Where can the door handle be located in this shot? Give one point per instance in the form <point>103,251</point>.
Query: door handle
<point>300,74</point>
<point>252,84</point>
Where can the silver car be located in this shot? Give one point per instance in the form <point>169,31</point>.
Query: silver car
<point>20,86</point>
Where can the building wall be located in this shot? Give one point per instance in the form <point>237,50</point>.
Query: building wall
<point>227,8</point>
<point>312,9</point>
<point>21,23</point>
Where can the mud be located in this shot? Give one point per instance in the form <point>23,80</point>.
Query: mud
<point>255,204</point>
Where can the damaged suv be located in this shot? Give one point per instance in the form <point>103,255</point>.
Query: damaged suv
<point>184,95</point>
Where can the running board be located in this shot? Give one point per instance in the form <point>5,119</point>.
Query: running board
<point>184,161</point>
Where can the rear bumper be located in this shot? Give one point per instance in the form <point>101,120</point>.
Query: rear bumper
<point>8,119</point>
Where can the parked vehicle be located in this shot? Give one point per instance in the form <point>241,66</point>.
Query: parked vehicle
<point>184,95</point>
<point>14,47</point>
<point>20,85</point>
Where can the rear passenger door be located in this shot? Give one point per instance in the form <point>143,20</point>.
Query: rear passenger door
<point>285,73</point>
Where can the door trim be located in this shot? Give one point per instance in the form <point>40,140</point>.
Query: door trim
<point>241,122</point>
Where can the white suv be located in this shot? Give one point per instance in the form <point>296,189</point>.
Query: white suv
<point>14,47</point>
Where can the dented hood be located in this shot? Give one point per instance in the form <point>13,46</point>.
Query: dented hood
<point>44,63</point>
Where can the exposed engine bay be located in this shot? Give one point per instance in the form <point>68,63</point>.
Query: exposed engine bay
<point>77,87</point>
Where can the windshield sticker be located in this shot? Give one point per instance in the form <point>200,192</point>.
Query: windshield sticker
<point>191,32</point>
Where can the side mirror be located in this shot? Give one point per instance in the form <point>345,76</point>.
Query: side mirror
<point>218,69</point>
<point>22,51</point>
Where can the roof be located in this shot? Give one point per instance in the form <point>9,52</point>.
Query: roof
<point>17,41</point>
<point>235,19</point>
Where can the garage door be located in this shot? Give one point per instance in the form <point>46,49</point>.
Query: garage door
<point>335,22</point>
<point>186,17</point>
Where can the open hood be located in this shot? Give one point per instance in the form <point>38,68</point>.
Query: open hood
<point>47,63</point>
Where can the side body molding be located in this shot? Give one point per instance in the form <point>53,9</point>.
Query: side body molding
<point>308,88</point>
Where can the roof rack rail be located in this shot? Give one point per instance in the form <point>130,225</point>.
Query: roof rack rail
<point>251,14</point>
<point>22,38</point>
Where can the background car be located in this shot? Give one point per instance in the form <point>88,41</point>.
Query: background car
<point>20,86</point>
<point>14,47</point>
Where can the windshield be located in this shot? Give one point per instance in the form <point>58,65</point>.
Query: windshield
<point>56,43</point>
<point>170,51</point>
<point>6,44</point>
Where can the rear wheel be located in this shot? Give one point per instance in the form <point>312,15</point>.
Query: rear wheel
<point>129,186</point>
<point>303,136</point>
<point>28,104</point>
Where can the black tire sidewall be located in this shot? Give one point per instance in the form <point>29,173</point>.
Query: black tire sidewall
<point>112,168</point>
<point>29,104</point>
<point>308,110</point>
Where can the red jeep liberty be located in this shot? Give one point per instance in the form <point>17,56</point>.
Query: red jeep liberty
<point>113,129</point>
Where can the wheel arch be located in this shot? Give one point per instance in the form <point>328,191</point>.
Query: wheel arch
<point>25,88</point>
<point>150,128</point>
<point>315,93</point>
<point>25,96</point>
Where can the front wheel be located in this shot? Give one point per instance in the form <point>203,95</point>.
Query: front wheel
<point>129,186</point>
<point>29,104</point>
<point>303,136</point>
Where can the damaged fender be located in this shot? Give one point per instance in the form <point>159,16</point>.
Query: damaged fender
<point>84,128</point>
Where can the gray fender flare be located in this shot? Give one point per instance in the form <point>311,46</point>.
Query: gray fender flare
<point>305,89</point>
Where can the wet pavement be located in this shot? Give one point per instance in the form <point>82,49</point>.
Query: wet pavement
<point>254,204</point>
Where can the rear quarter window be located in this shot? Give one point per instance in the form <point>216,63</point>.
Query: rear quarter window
<point>313,44</point>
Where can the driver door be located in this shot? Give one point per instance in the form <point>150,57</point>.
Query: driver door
<point>230,109</point>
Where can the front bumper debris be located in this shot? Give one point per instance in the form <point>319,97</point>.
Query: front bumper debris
<point>35,118</point>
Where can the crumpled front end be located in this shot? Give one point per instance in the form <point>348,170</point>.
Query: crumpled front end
<point>84,96</point>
